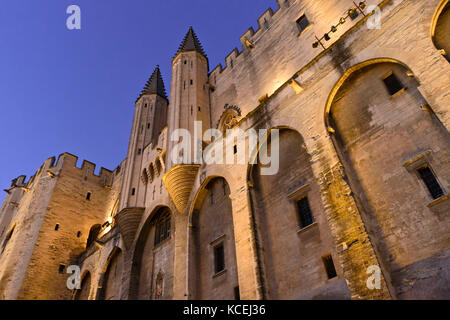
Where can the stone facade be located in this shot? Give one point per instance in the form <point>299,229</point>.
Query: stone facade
<point>360,116</point>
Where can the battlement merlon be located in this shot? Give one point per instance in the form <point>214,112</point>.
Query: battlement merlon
<point>250,37</point>
<point>52,168</point>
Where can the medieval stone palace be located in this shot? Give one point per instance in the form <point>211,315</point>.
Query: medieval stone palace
<point>358,208</point>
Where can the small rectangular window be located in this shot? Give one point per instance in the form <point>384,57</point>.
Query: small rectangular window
<point>199,109</point>
<point>235,148</point>
<point>302,23</point>
<point>431,182</point>
<point>88,196</point>
<point>329,266</point>
<point>304,212</point>
<point>192,82</point>
<point>61,268</point>
<point>392,83</point>
<point>148,125</point>
<point>133,191</point>
<point>139,151</point>
<point>219,258</point>
<point>57,227</point>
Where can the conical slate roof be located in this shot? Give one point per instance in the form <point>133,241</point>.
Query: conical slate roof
<point>155,85</point>
<point>191,43</point>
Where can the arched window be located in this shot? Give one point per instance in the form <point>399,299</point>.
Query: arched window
<point>93,234</point>
<point>158,166</point>
<point>151,172</point>
<point>162,230</point>
<point>144,176</point>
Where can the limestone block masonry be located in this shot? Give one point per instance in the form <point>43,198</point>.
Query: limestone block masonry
<point>358,209</point>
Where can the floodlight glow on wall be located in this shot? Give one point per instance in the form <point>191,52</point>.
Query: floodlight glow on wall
<point>351,13</point>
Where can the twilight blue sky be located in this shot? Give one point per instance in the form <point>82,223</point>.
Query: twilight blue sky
<point>74,90</point>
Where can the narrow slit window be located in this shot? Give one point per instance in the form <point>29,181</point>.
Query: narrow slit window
<point>393,84</point>
<point>57,227</point>
<point>61,268</point>
<point>329,266</point>
<point>302,23</point>
<point>88,196</point>
<point>219,258</point>
<point>431,182</point>
<point>148,125</point>
<point>133,191</point>
<point>304,212</point>
<point>192,82</point>
<point>78,234</point>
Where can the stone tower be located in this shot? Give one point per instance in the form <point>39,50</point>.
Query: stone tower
<point>190,102</point>
<point>150,118</point>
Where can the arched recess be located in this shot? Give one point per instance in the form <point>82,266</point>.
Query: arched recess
<point>440,28</point>
<point>83,292</point>
<point>158,166</point>
<point>296,249</point>
<point>151,172</point>
<point>153,259</point>
<point>93,234</point>
<point>111,278</point>
<point>385,133</point>
<point>212,253</point>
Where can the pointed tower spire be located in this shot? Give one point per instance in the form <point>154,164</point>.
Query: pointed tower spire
<point>155,85</point>
<point>191,43</point>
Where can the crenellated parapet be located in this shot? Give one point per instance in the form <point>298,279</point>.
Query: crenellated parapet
<point>86,171</point>
<point>250,37</point>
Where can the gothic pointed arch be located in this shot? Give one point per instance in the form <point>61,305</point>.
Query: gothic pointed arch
<point>393,148</point>
<point>153,255</point>
<point>111,278</point>
<point>296,249</point>
<point>213,266</point>
<point>440,27</point>
<point>85,289</point>
<point>151,172</point>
